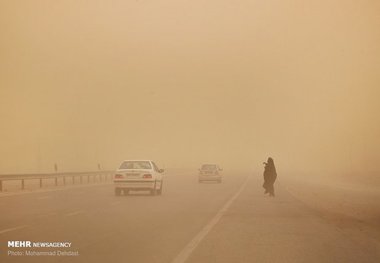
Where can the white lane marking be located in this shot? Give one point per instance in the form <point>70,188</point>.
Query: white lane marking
<point>75,213</point>
<point>192,245</point>
<point>12,229</point>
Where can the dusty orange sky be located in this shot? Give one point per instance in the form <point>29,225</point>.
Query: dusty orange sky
<point>186,82</point>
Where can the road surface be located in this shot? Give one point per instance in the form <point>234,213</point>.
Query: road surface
<point>190,222</point>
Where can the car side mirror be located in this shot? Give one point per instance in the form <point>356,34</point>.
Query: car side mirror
<point>161,170</point>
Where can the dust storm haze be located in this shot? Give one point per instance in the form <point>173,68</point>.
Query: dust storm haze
<point>85,85</point>
<point>186,82</point>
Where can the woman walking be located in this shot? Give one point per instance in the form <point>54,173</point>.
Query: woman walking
<point>270,176</point>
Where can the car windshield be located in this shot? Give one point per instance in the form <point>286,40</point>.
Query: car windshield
<point>135,165</point>
<point>208,167</point>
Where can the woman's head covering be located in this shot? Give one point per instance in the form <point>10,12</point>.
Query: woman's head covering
<point>269,161</point>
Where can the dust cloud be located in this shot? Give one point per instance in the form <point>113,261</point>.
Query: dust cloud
<point>186,82</point>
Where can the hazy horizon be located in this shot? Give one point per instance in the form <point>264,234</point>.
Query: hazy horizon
<point>188,82</point>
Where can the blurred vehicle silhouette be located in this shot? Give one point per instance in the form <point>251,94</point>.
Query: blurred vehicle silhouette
<point>210,172</point>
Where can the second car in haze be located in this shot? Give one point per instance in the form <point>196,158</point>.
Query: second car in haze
<point>210,172</point>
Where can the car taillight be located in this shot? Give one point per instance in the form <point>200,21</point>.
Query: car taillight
<point>147,176</point>
<point>118,176</point>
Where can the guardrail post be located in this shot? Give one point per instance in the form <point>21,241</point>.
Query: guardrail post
<point>90,177</point>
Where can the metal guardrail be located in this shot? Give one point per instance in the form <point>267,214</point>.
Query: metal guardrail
<point>101,176</point>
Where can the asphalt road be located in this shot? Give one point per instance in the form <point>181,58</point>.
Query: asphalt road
<point>190,222</point>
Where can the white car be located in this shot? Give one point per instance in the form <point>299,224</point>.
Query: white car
<point>136,175</point>
<point>210,172</point>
